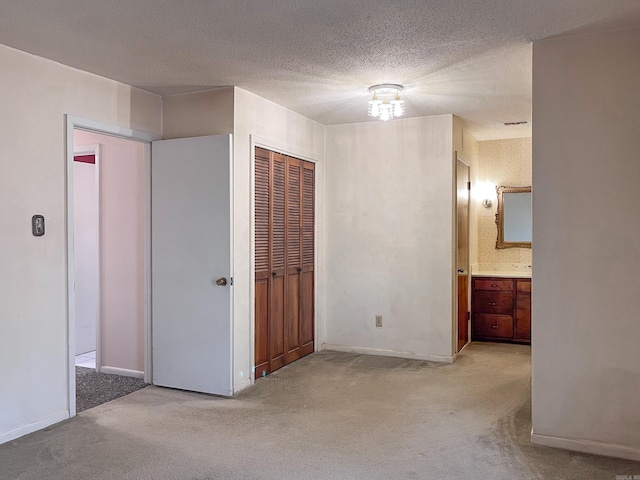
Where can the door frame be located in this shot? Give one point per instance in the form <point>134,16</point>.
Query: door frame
<point>75,122</point>
<point>292,151</point>
<point>455,264</point>
<point>94,149</point>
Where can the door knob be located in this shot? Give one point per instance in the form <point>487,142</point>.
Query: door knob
<point>221,282</point>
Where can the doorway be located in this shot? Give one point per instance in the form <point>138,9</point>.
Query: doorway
<point>463,188</point>
<point>108,245</point>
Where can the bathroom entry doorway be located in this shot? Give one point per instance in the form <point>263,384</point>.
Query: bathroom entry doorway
<point>463,188</point>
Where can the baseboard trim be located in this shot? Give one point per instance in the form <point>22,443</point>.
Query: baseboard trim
<point>33,427</point>
<point>241,386</point>
<point>587,446</point>
<point>388,353</point>
<point>125,372</point>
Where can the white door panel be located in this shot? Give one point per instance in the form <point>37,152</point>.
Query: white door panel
<point>191,249</point>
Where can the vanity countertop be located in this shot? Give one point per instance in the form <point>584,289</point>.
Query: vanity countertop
<point>503,274</point>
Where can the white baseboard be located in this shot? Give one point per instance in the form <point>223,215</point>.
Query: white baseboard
<point>241,386</point>
<point>587,446</point>
<point>122,371</point>
<point>33,427</point>
<point>388,353</point>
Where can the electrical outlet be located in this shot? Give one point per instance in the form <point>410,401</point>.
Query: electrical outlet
<point>379,321</point>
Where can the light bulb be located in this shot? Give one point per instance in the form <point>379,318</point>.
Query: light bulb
<point>398,106</point>
<point>385,112</point>
<point>374,106</point>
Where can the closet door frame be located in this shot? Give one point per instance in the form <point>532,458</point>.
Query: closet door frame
<point>291,151</point>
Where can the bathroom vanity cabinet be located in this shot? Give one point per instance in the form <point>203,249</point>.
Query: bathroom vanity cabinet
<point>501,309</point>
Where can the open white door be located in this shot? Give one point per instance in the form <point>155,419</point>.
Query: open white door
<point>191,214</point>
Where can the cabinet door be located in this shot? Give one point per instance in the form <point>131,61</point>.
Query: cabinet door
<point>523,317</point>
<point>191,238</point>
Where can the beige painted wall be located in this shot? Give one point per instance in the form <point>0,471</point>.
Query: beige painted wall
<point>122,240</point>
<point>586,231</point>
<point>35,94</point>
<point>389,240</point>
<point>200,113</point>
<point>500,162</point>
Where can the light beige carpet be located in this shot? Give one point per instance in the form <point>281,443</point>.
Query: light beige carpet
<point>328,416</point>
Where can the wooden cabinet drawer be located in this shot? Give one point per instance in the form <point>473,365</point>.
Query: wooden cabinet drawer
<point>523,285</point>
<point>493,284</point>
<point>493,302</point>
<point>493,326</point>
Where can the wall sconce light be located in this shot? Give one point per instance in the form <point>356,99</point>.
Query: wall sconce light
<point>487,203</point>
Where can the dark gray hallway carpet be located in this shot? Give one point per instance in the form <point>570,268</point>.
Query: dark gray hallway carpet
<point>94,388</point>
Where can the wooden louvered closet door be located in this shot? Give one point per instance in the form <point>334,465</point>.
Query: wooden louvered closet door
<point>278,249</point>
<point>263,253</point>
<point>308,254</point>
<point>294,259</point>
<point>284,226</point>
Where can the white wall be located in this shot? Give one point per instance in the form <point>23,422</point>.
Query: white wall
<point>389,237</point>
<point>122,241</point>
<point>35,94</point>
<point>299,136</point>
<point>586,231</point>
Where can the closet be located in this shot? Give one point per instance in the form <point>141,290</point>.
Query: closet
<point>284,259</point>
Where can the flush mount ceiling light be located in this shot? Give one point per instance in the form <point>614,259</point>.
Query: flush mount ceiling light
<point>386,102</point>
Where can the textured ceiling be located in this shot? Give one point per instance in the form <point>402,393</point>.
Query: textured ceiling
<point>316,57</point>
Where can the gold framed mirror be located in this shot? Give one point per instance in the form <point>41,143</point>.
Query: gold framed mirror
<point>513,217</point>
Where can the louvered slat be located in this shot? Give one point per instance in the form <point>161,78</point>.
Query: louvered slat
<point>278,215</point>
<point>293,215</point>
<point>262,213</point>
<point>308,213</point>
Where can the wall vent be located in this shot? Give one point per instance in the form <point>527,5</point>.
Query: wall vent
<point>513,124</point>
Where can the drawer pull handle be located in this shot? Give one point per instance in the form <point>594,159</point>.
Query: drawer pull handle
<point>493,303</point>
<point>494,326</point>
<point>494,284</point>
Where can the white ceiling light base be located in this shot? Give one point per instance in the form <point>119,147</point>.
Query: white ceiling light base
<point>386,103</point>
